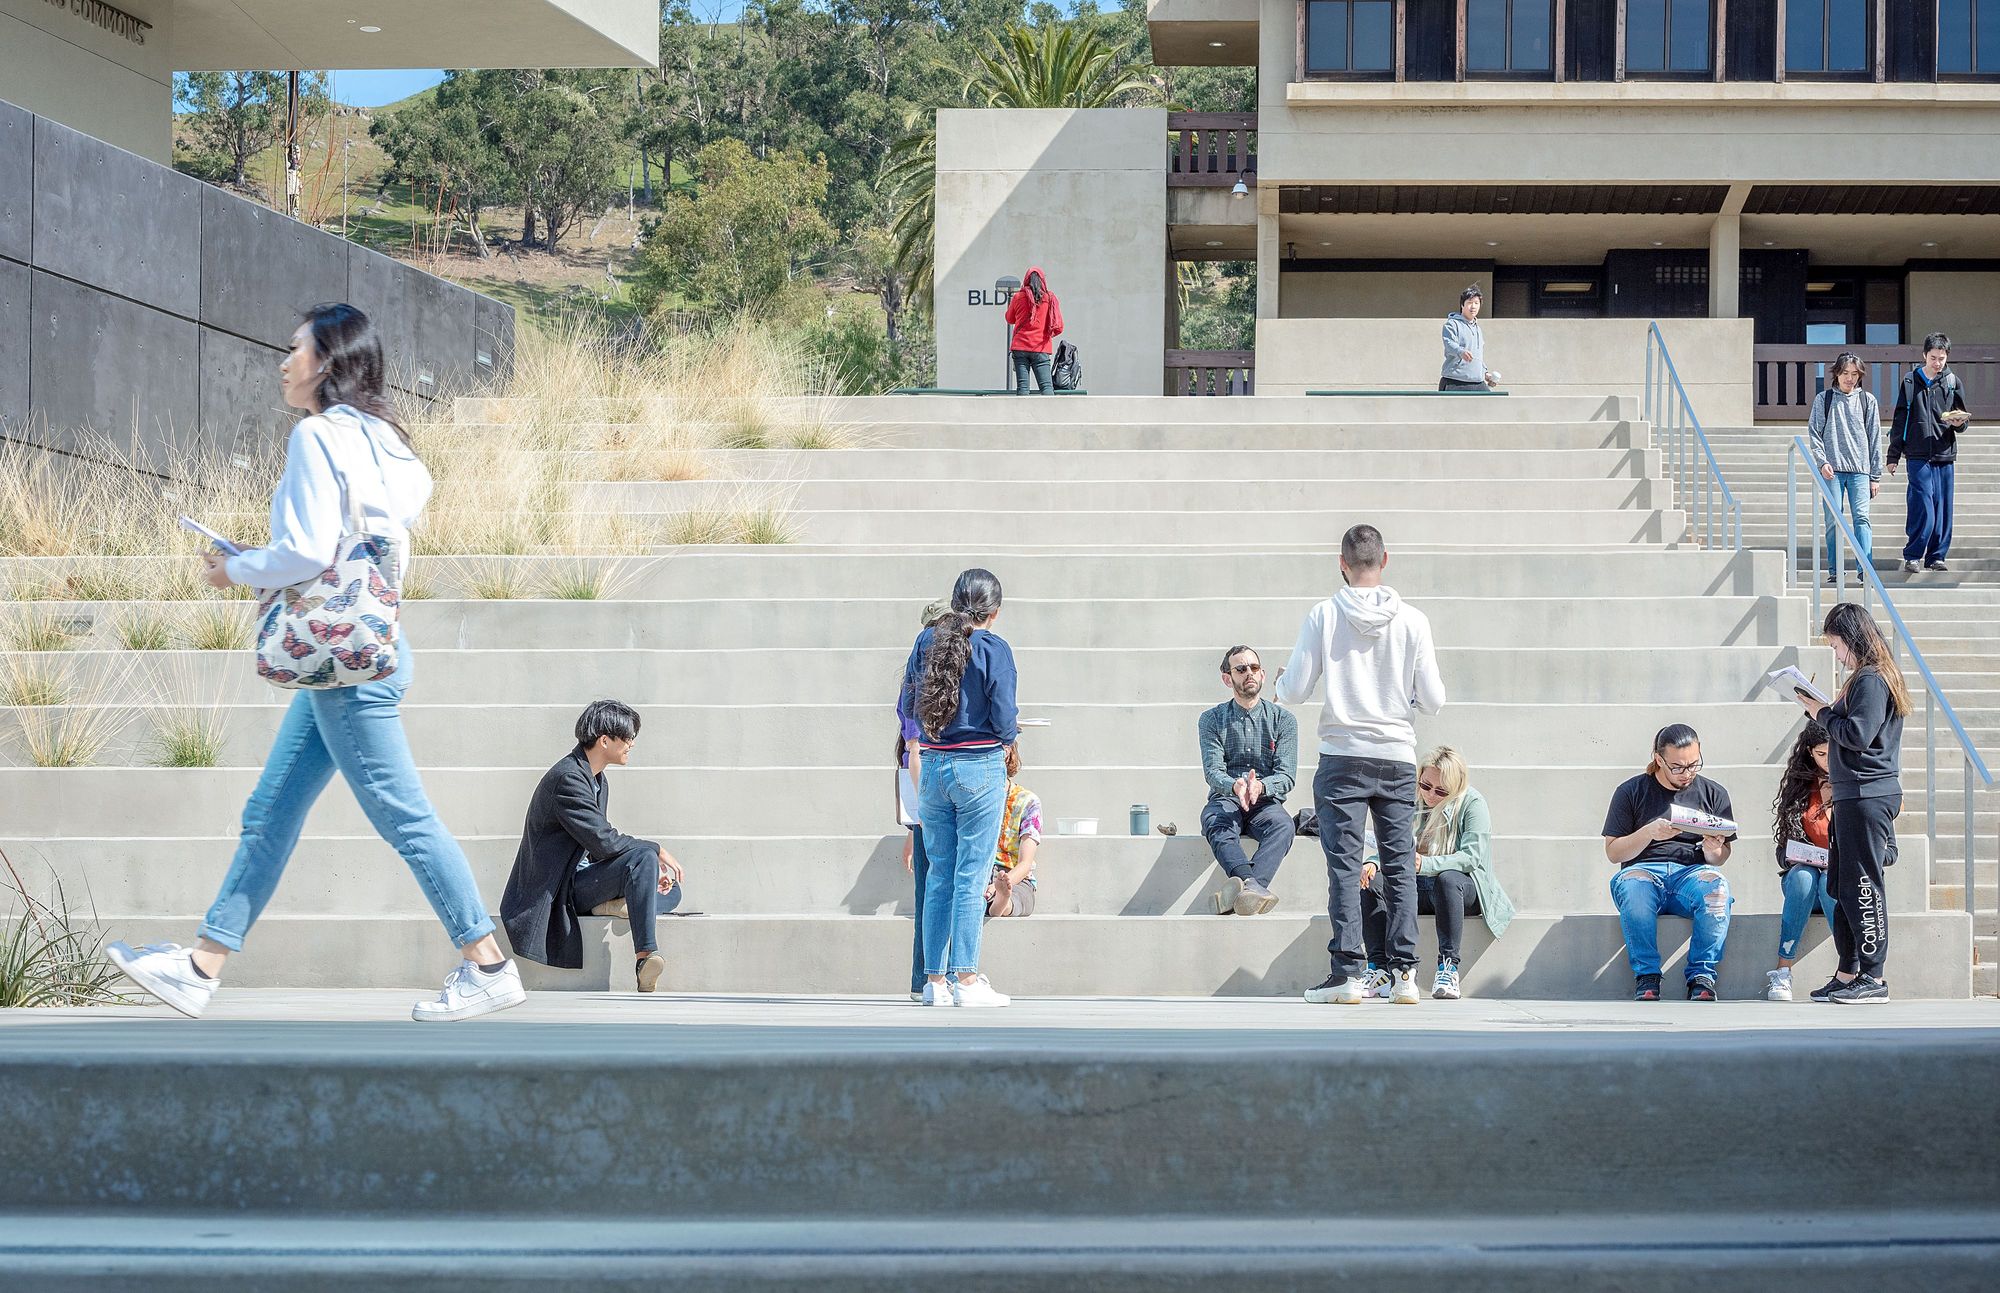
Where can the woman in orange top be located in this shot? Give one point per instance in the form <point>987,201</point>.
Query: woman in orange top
<point>1036,317</point>
<point>1801,828</point>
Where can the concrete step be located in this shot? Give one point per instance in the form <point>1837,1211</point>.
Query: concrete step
<point>1063,675</point>
<point>1217,463</point>
<point>1149,493</point>
<point>1567,957</point>
<point>876,413</point>
<point>667,803</point>
<point>116,1253</point>
<point>1540,529</point>
<point>832,735</point>
<point>920,575</point>
<point>855,875</point>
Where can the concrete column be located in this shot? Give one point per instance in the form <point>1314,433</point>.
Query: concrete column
<point>1269,257</point>
<point>1725,256</point>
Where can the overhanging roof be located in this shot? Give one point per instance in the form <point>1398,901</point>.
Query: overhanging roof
<point>225,35</point>
<point>1203,33</point>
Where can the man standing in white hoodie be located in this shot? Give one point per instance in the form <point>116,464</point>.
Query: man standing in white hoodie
<point>1381,670</point>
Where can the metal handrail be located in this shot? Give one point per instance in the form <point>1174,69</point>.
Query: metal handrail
<point>1977,776</point>
<point>1676,418</point>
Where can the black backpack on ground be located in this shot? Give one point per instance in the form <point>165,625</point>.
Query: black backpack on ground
<point>1068,369</point>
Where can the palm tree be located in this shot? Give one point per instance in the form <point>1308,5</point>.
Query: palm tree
<point>1057,65</point>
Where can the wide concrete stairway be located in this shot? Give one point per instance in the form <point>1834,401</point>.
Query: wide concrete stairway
<point>1136,540</point>
<point>1955,619</point>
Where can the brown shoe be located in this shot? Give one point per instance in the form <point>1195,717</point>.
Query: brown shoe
<point>650,971</point>
<point>615,909</point>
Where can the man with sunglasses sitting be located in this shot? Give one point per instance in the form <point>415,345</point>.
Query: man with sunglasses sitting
<point>1250,756</point>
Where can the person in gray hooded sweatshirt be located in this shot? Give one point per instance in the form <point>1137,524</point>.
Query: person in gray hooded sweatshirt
<point>1465,347</point>
<point>1381,670</point>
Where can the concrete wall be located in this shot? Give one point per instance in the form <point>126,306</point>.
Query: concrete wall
<point>1415,294</point>
<point>161,306</point>
<point>1959,304</point>
<point>59,64</point>
<point>1081,193</point>
<point>1535,357</point>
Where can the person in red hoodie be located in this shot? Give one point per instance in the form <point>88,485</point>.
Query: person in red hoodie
<point>1036,317</point>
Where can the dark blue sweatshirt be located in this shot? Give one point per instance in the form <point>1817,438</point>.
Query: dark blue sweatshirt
<point>987,716</point>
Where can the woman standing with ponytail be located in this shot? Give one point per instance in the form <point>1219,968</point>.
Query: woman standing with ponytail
<point>959,683</point>
<point>1864,728</point>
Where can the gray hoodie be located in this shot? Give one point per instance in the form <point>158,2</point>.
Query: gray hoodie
<point>1381,671</point>
<point>1461,335</point>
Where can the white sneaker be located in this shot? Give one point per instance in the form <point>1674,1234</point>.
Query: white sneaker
<point>977,993</point>
<point>936,994</point>
<point>1348,992</point>
<point>470,992</point>
<point>1780,988</point>
<point>1375,983</point>
<point>1445,986</point>
<point>1405,987</point>
<point>166,970</point>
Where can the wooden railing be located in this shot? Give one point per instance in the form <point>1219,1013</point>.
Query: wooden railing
<point>1211,372</point>
<point>1788,377</point>
<point>1211,149</point>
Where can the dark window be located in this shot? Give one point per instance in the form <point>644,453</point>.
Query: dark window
<point>1968,37</point>
<point>1349,36</point>
<point>1829,36</point>
<point>1509,35</point>
<point>1667,37</point>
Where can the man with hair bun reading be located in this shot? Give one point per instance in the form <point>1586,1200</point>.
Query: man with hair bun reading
<point>1381,670</point>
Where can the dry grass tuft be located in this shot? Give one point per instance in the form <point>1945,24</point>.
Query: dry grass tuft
<point>219,626</point>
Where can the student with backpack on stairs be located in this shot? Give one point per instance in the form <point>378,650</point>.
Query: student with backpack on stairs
<point>1844,431</point>
<point>1930,412</point>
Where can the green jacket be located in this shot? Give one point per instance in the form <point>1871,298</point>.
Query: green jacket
<point>1474,833</point>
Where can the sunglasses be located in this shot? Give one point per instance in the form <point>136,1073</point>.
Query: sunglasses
<point>1246,668</point>
<point>1430,789</point>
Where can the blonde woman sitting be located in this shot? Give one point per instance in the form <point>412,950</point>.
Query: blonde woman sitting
<point>1455,876</point>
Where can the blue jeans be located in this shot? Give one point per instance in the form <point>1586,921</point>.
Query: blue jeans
<point>920,872</point>
<point>1928,524</point>
<point>1036,362</point>
<point>961,800</point>
<point>1852,488</point>
<point>1646,891</point>
<point>359,732</point>
<point>1805,888</point>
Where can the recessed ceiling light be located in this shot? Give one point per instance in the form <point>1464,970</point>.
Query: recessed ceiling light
<point>1218,44</point>
<point>1492,244</point>
<point>1930,244</point>
<point>1215,242</point>
<point>1658,244</point>
<point>1326,244</point>
<point>371,30</point>
<point>1769,243</point>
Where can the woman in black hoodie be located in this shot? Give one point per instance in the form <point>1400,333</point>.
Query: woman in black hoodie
<point>1864,726</point>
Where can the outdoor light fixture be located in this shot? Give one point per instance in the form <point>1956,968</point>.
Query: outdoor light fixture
<point>1218,44</point>
<point>1492,244</point>
<point>371,30</point>
<point>1930,244</point>
<point>1214,242</point>
<point>1241,190</point>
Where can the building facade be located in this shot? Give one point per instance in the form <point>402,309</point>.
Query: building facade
<point>1828,170</point>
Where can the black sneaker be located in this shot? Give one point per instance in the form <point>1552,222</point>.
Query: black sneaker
<point>1826,990</point>
<point>1701,988</point>
<point>1936,564</point>
<point>1648,988</point>
<point>1863,991</point>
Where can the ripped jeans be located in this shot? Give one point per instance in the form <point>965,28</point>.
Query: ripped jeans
<point>1646,891</point>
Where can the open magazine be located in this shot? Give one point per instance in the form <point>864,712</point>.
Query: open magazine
<point>1699,822</point>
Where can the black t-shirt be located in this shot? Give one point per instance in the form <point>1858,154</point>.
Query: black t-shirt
<point>1643,799</point>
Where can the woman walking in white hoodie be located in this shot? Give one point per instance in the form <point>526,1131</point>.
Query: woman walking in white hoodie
<point>348,459</point>
<point>1381,670</point>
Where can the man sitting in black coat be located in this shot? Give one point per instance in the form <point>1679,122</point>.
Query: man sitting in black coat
<point>572,863</point>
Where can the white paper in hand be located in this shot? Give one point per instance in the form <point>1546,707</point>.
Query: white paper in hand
<point>1699,822</point>
<point>906,799</point>
<point>1805,851</point>
<point>1789,679</point>
<point>189,523</point>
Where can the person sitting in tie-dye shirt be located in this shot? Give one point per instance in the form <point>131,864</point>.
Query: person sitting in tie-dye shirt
<point>1012,891</point>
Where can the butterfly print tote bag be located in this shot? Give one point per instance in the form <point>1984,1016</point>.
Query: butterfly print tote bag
<point>341,629</point>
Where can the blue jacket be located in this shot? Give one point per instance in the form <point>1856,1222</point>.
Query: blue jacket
<point>987,715</point>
